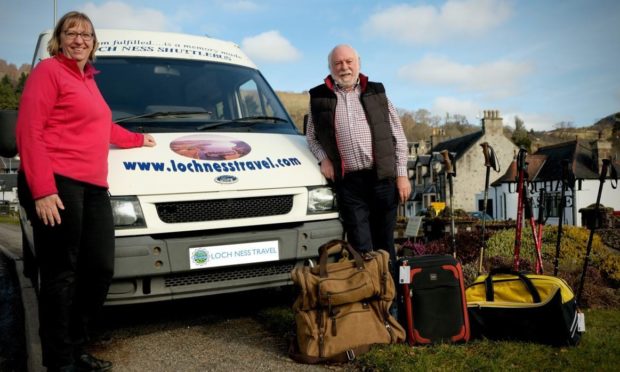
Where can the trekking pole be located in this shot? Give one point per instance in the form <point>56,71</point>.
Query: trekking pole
<point>529,214</point>
<point>490,161</point>
<point>542,215</point>
<point>521,165</point>
<point>614,183</point>
<point>450,172</point>
<point>568,180</point>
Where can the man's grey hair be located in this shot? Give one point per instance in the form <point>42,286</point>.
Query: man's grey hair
<point>329,56</point>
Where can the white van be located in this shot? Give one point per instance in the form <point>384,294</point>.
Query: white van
<point>231,198</point>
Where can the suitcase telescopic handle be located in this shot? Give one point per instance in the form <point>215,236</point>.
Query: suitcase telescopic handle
<point>488,284</point>
<point>328,248</point>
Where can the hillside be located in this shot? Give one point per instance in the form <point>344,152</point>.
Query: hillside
<point>297,106</point>
<point>12,71</point>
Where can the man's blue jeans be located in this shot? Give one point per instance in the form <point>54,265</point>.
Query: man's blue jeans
<point>368,208</point>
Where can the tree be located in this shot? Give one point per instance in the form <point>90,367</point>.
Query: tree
<point>564,125</point>
<point>520,136</point>
<point>8,98</point>
<point>19,88</point>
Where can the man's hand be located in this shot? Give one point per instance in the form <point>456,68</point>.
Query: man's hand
<point>404,188</point>
<point>47,209</point>
<point>327,169</point>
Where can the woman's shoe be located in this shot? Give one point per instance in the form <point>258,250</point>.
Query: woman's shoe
<point>87,362</point>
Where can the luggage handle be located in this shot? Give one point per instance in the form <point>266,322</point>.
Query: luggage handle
<point>324,252</point>
<point>488,283</point>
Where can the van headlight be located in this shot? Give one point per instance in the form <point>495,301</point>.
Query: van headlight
<point>321,200</point>
<point>127,212</point>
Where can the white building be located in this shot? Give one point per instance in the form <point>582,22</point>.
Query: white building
<point>544,169</point>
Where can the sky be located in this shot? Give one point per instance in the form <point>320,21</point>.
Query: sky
<point>541,60</point>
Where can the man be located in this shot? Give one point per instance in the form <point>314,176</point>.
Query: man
<point>356,135</point>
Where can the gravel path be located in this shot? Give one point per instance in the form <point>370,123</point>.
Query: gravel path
<point>214,333</point>
<point>217,333</point>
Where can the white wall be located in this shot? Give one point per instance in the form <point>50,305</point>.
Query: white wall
<point>610,197</point>
<point>586,196</point>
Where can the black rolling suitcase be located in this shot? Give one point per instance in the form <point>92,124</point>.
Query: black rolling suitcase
<point>433,308</point>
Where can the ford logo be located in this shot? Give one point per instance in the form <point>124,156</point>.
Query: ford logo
<point>227,179</point>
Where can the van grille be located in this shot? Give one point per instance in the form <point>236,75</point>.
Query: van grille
<point>224,209</point>
<point>229,273</point>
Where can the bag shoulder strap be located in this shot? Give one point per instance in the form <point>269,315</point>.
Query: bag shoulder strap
<point>328,248</point>
<point>488,283</point>
<point>343,357</point>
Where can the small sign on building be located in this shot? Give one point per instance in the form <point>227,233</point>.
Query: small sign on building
<point>413,226</point>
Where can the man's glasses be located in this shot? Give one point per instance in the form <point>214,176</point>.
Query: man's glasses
<point>86,36</point>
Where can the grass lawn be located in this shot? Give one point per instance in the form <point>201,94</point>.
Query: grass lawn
<point>599,350</point>
<point>9,218</point>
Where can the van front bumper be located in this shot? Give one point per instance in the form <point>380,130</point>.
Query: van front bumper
<point>149,269</point>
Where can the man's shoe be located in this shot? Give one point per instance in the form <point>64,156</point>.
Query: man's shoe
<point>87,362</point>
<point>67,368</point>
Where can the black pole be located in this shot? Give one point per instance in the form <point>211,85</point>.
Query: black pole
<point>450,173</point>
<point>487,164</point>
<point>594,222</point>
<point>562,206</point>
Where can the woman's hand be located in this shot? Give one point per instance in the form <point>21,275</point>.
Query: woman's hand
<point>149,141</point>
<point>47,209</point>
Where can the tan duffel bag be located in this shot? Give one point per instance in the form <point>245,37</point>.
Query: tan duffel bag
<point>342,307</point>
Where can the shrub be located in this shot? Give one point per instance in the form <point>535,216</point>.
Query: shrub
<point>610,237</point>
<point>572,247</point>
<point>604,266</point>
<point>467,246</point>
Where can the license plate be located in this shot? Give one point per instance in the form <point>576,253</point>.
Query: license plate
<point>233,254</point>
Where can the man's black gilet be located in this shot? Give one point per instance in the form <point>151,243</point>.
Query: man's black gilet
<point>374,101</point>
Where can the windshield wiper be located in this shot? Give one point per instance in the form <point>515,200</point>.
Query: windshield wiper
<point>247,119</point>
<point>147,115</point>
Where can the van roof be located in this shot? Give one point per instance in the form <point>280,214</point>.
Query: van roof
<point>156,44</point>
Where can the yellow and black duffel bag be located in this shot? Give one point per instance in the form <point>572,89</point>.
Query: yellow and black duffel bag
<point>509,305</point>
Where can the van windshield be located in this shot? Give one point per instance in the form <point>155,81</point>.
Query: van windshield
<point>171,95</point>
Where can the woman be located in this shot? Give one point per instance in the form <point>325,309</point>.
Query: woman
<point>64,129</point>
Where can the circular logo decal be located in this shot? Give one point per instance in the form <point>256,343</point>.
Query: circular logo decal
<point>210,147</point>
<point>200,256</point>
<point>227,179</point>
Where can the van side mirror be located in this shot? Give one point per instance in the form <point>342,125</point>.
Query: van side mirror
<point>8,143</point>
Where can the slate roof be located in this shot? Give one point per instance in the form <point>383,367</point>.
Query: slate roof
<point>459,145</point>
<point>578,152</point>
<point>546,163</point>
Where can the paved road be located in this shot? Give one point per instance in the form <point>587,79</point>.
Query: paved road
<point>12,340</point>
<point>216,333</point>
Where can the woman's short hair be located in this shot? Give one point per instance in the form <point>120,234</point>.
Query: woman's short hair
<point>67,21</point>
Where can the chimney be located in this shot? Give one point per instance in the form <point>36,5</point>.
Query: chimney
<point>601,149</point>
<point>492,123</point>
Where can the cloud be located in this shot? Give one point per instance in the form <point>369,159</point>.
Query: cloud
<point>496,79</point>
<point>428,24</point>
<point>116,14</point>
<point>270,46</point>
<point>532,120</point>
<point>451,105</point>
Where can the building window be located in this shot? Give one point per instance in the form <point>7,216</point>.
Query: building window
<point>552,204</point>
